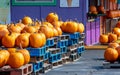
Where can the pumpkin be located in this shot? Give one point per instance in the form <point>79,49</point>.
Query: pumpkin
<point>22,39</point>
<point>16,60</point>
<point>113,45</point>
<point>3,32</point>
<point>51,17</point>
<point>46,30</point>
<point>101,9</point>
<point>2,60</point>
<point>20,25</point>
<point>112,37</point>
<point>116,30</point>
<point>111,14</point>
<point>6,55</point>
<point>29,29</point>
<point>59,30</point>
<point>80,28</point>
<point>26,55</point>
<point>71,27</point>
<point>11,50</point>
<point>27,20</point>
<point>63,26</point>
<point>92,8</point>
<point>111,55</point>
<point>35,40</point>
<point>48,24</point>
<point>57,23</point>
<point>118,24</point>
<point>8,40</point>
<point>14,28</point>
<point>103,39</point>
<point>118,50</point>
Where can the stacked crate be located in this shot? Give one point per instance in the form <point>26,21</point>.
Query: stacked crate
<point>75,45</point>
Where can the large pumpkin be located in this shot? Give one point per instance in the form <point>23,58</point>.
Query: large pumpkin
<point>26,55</point>
<point>59,30</point>
<point>11,50</point>
<point>116,30</point>
<point>51,17</point>
<point>16,60</point>
<point>55,31</point>
<point>27,20</point>
<point>29,29</point>
<point>80,28</point>
<point>103,39</point>
<point>63,26</point>
<point>111,55</point>
<point>8,40</point>
<point>22,40</point>
<point>112,37</point>
<point>43,38</point>
<point>35,40</point>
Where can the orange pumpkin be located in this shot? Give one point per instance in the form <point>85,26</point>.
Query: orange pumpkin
<point>46,30</point>
<point>80,28</point>
<point>93,8</point>
<point>16,60</point>
<point>35,40</point>
<point>47,23</point>
<point>116,30</point>
<point>3,32</point>
<point>26,55</point>
<point>6,55</point>
<point>51,17</point>
<point>113,45</point>
<point>111,55</point>
<point>20,25</point>
<point>43,38</point>
<point>22,40</point>
<point>103,39</point>
<point>29,29</point>
<point>63,26</point>
<point>8,40</point>
<point>101,9</point>
<point>57,23</point>
<point>59,30</point>
<point>55,32</point>
<point>112,37</point>
<point>71,27</point>
<point>27,20</point>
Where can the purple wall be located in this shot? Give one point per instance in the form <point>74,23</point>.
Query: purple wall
<point>17,12</point>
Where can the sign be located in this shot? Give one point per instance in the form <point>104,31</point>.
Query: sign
<point>33,2</point>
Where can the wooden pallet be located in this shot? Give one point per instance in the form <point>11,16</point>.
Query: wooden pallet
<point>57,63</point>
<point>111,65</point>
<point>46,68</point>
<point>54,50</point>
<point>24,70</point>
<point>36,59</point>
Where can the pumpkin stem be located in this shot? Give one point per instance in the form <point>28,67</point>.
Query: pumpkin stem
<point>21,46</point>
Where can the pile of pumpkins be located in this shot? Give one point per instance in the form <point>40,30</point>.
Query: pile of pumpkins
<point>34,33</point>
<point>112,53</point>
<point>14,58</point>
<point>95,10</point>
<point>111,37</point>
<point>113,13</point>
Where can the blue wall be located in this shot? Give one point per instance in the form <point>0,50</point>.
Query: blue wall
<point>18,12</point>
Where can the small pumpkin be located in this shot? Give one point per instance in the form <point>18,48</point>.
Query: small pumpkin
<point>26,55</point>
<point>103,39</point>
<point>29,29</point>
<point>118,50</point>
<point>35,40</point>
<point>116,30</point>
<point>113,45</point>
<point>112,37</point>
<point>51,17</point>
<point>11,50</point>
<point>27,20</point>
<point>16,60</point>
<point>93,8</point>
<point>80,28</point>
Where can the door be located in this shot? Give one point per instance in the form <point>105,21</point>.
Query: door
<point>4,11</point>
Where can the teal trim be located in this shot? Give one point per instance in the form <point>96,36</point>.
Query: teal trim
<point>118,1</point>
<point>31,3</point>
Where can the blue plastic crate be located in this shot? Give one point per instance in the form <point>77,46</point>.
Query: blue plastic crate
<point>63,50</point>
<point>80,49</point>
<point>50,42</point>
<point>73,41</point>
<point>62,43</point>
<point>47,55</point>
<point>37,66</point>
<point>73,35</point>
<point>37,51</point>
<point>54,57</point>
